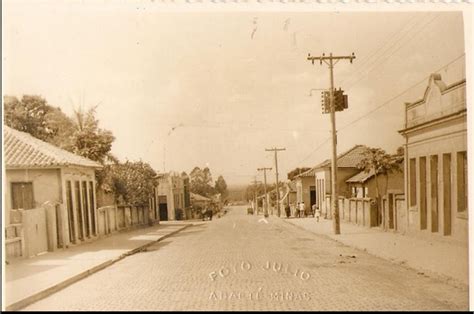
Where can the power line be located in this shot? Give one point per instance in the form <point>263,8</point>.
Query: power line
<point>369,57</point>
<point>380,106</point>
<point>398,44</point>
<point>400,94</point>
<point>378,63</point>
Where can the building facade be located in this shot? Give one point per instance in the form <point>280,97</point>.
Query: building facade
<point>347,163</point>
<point>50,199</point>
<point>435,135</point>
<point>173,196</point>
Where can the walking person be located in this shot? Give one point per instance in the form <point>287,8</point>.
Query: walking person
<point>287,210</point>
<point>302,209</point>
<point>317,214</point>
<point>313,210</point>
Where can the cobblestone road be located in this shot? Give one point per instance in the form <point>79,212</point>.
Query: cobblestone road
<point>239,263</point>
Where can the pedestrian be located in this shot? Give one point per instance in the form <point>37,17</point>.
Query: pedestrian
<point>297,209</point>
<point>302,209</point>
<point>313,210</point>
<point>318,213</point>
<point>287,210</point>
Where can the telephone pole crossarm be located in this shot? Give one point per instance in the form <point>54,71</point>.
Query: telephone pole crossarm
<point>330,57</point>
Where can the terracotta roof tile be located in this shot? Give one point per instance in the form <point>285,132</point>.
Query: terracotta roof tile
<point>22,150</point>
<point>361,177</point>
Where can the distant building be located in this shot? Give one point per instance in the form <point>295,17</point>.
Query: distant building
<point>50,198</point>
<point>305,187</point>
<point>364,185</point>
<point>199,202</point>
<point>436,160</point>
<point>173,196</point>
<point>347,163</point>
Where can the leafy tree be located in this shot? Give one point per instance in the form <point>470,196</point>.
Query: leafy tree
<point>200,182</point>
<point>63,129</point>
<point>28,115</point>
<point>221,187</point>
<point>380,163</point>
<point>88,140</point>
<point>80,135</point>
<point>131,182</point>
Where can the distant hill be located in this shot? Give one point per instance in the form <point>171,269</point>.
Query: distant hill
<point>236,192</point>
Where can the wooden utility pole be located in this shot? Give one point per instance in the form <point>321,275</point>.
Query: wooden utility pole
<point>331,61</point>
<point>276,150</point>
<point>265,188</point>
<point>255,194</point>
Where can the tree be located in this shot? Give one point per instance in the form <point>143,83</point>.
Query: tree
<point>88,140</point>
<point>63,129</point>
<point>80,135</point>
<point>200,182</point>
<point>221,187</point>
<point>28,115</point>
<point>376,160</point>
<point>131,182</point>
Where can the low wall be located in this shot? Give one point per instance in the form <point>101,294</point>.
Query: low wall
<point>115,218</point>
<point>360,211</point>
<point>34,231</point>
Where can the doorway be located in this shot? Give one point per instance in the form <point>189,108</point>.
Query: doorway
<point>312,196</point>
<point>163,208</point>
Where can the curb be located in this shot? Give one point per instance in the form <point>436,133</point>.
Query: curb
<point>61,285</point>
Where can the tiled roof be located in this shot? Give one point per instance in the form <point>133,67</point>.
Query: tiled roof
<point>309,173</point>
<point>348,159</point>
<point>21,150</point>
<point>361,177</point>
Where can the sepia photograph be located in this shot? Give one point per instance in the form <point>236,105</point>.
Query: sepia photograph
<point>240,155</point>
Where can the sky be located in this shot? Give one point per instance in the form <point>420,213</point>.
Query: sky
<point>184,88</point>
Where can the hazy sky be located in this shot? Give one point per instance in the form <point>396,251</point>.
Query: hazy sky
<point>232,83</point>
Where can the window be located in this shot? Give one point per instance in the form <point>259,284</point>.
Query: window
<point>354,191</point>
<point>462,181</point>
<point>412,181</point>
<point>22,195</point>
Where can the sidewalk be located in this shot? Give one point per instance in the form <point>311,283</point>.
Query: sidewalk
<point>28,280</point>
<point>443,257</point>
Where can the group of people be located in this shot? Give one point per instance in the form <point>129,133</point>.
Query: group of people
<point>300,210</point>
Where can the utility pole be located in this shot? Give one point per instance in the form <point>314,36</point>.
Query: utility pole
<point>331,62</point>
<point>276,150</point>
<point>265,188</point>
<point>255,194</point>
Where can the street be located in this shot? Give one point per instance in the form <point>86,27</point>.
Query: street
<point>246,262</point>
